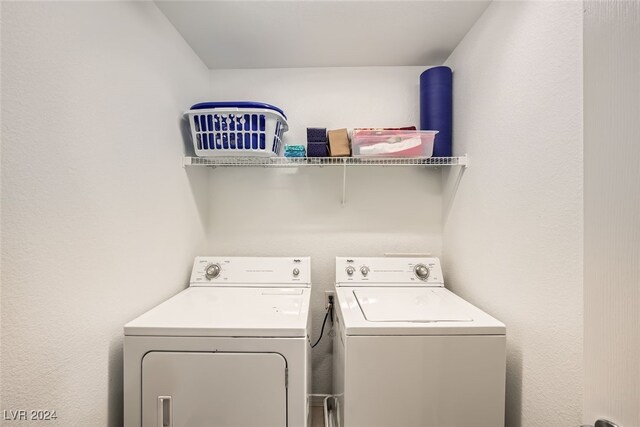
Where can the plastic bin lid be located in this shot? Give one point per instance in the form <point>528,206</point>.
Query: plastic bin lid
<point>237,104</point>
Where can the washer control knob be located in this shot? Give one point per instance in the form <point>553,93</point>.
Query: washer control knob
<point>364,270</point>
<point>350,270</point>
<point>296,272</point>
<point>212,271</point>
<point>422,271</point>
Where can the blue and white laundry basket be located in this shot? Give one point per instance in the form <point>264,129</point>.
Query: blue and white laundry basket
<point>231,129</point>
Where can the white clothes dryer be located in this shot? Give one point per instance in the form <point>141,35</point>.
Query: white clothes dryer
<point>410,353</point>
<point>231,350</point>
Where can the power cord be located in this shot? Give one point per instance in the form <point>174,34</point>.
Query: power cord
<point>324,322</point>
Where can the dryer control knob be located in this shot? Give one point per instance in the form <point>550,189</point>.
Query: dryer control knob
<point>350,270</point>
<point>296,272</point>
<point>422,271</point>
<point>364,270</point>
<point>212,271</point>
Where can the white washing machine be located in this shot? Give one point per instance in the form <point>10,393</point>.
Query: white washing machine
<point>232,350</point>
<point>410,353</point>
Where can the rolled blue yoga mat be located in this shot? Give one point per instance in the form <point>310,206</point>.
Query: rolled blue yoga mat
<point>436,107</point>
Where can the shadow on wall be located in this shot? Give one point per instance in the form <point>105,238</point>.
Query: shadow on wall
<point>185,130</point>
<point>197,177</point>
<point>513,416</point>
<point>115,397</point>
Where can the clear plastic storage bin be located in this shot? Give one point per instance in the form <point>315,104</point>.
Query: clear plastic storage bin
<point>392,143</point>
<point>232,129</point>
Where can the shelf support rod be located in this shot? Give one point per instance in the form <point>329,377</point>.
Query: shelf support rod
<point>451,183</point>
<point>344,182</point>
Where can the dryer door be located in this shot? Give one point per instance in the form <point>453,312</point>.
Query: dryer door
<point>182,389</point>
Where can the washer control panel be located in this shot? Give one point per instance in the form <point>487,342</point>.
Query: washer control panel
<point>251,271</point>
<point>388,271</point>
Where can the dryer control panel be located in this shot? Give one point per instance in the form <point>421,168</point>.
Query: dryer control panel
<point>388,271</point>
<point>251,271</point>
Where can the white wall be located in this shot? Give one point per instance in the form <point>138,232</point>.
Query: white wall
<point>612,212</point>
<point>285,212</point>
<point>328,97</point>
<point>99,221</point>
<point>513,241</point>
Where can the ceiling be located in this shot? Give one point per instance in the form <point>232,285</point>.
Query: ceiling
<point>303,33</point>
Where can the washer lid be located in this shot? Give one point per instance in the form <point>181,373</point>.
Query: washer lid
<point>409,305</point>
<point>228,312</point>
<point>404,312</point>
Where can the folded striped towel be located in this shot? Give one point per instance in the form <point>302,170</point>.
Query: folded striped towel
<point>294,151</point>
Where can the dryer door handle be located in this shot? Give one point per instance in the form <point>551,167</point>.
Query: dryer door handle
<point>165,413</point>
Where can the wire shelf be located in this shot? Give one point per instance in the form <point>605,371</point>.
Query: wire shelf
<point>283,162</point>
